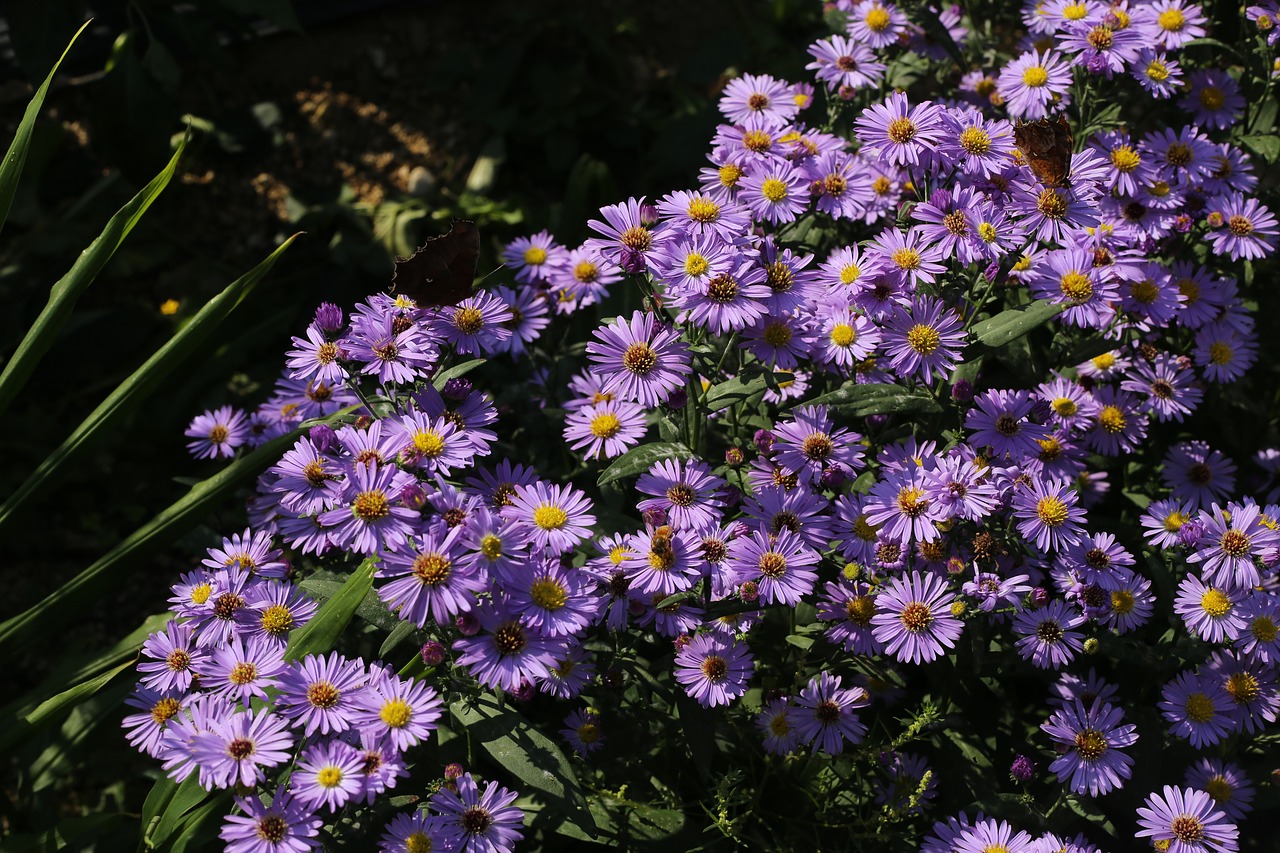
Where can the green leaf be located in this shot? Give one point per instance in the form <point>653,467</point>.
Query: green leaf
<point>88,588</point>
<point>398,635</point>
<point>63,296</point>
<point>454,372</point>
<point>520,749</point>
<point>69,833</point>
<point>1266,146</point>
<point>189,802</point>
<point>863,400</point>
<point>738,389</point>
<point>637,460</point>
<point>54,708</point>
<point>16,157</point>
<point>1012,324</point>
<point>319,635</point>
<point>699,727</point>
<point>142,384</point>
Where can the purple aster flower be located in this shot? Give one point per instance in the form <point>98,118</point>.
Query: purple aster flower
<point>687,491</point>
<point>661,562</point>
<point>901,508</point>
<point>606,429</point>
<point>644,360</point>
<point>1249,230</point>
<point>506,651</point>
<point>809,444</point>
<point>925,340</point>
<point>306,479</point>
<point>328,774</point>
<point>781,566</point>
<point>389,351</point>
<point>1184,818</point>
<point>404,712</point>
<point>959,488</point>
<point>149,732</point>
<point>1054,214</point>
<point>533,257</point>
<point>627,240</point>
<point>758,96</point>
<point>1157,73</point>
<point>899,133</point>
<point>1047,638</point>
<point>475,822</point>
<point>556,517</point>
<point>528,316</point>
<point>1093,739</point>
<point>1000,421</point>
<point>1251,684</point>
<point>283,826</point>
<point>825,714</point>
<point>1070,279</point>
<point>1233,539</point>
<point>846,337</point>
<point>431,578</point>
<point>849,606</point>
<point>800,511</point>
<point>843,64</point>
<point>713,669</point>
<point>475,326</point>
<point>1260,636</point>
<point>1170,24</point>
<point>238,747</point>
<point>775,191</point>
<point>991,591</point>
<point>170,658</point>
<point>250,551</point>
<point>383,764</point>
<point>582,731</point>
<point>991,834</point>
<point>912,255</point>
<point>318,693</point>
<point>1048,514</point>
<point>1131,603</point>
<point>1030,83</point>
<point>900,785</point>
<point>1167,384</point>
<point>431,445</point>
<point>781,341</point>
<point>914,618</point>
<point>415,832</point>
<point>695,214</point>
<point>1226,783</point>
<point>776,721</point>
<point>1223,353</point>
<point>551,600</point>
<point>979,146</point>
<point>218,433</point>
<point>316,358</point>
<point>1213,98</point>
<point>1118,426</point>
<point>1198,475</point>
<point>1209,612</point>
<point>242,670</point>
<point>367,517</point>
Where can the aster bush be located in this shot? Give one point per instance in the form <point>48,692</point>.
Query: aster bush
<point>877,486</point>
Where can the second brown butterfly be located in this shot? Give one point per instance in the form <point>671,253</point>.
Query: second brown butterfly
<point>1047,146</point>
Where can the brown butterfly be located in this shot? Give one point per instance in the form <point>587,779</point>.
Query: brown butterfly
<point>442,271</point>
<point>1046,145</point>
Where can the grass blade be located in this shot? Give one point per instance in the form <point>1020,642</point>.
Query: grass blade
<point>63,296</point>
<point>144,381</point>
<point>88,587</point>
<point>16,157</point>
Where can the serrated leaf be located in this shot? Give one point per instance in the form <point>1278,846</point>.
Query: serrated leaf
<point>1013,323</point>
<point>144,381</point>
<point>863,400</point>
<point>640,459</point>
<point>520,749</point>
<point>16,157</point>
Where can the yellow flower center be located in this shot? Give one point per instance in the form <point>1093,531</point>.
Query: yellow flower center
<point>1172,20</point>
<point>549,517</point>
<point>605,425</point>
<point>1076,287</point>
<point>975,140</point>
<point>843,335</point>
<point>1051,511</point>
<point>923,339</point>
<point>1112,419</point>
<point>1035,76</point>
<point>396,713</point>
<point>703,210</point>
<point>696,264</point>
<point>877,19</point>
<point>535,255</point>
<point>774,190</point>
<point>1125,159</point>
<point>1215,603</point>
<point>428,443</point>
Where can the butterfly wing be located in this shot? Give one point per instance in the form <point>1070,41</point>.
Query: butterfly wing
<point>1046,145</point>
<point>442,271</point>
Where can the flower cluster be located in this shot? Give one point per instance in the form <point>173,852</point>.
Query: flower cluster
<point>851,454</point>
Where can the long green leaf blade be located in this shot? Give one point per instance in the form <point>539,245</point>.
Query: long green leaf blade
<point>513,741</point>
<point>637,460</point>
<point>56,707</point>
<point>319,634</point>
<point>142,383</point>
<point>1015,322</point>
<point>16,157</point>
<point>63,296</point>
<point>88,586</point>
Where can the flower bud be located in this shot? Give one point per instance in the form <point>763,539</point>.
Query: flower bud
<point>432,653</point>
<point>323,437</point>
